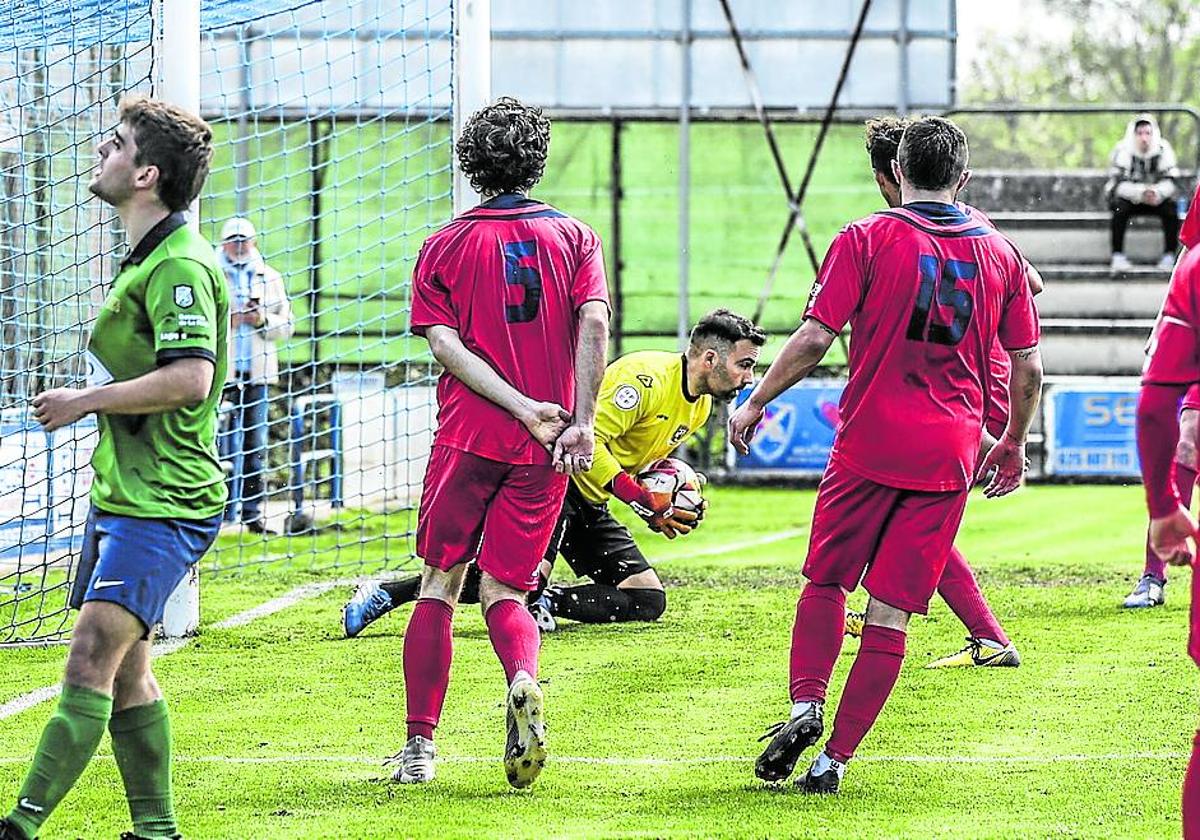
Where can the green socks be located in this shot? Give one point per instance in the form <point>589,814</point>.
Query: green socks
<point>66,747</point>
<point>141,740</point>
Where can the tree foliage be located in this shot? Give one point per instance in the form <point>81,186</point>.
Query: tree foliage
<point>1088,51</point>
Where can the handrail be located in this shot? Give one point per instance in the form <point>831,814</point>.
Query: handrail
<point>1088,108</point>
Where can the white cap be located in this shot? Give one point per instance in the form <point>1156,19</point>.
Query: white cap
<point>237,228</point>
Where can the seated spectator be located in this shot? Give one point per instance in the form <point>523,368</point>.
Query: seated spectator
<point>261,316</point>
<point>1142,183</point>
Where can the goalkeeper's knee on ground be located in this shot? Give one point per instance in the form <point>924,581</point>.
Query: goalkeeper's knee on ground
<point>648,604</point>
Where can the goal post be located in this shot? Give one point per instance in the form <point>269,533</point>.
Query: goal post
<point>472,79</point>
<point>333,126</point>
<point>179,84</point>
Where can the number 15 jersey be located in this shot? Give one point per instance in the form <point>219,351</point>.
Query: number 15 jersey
<point>509,277</point>
<point>926,290</point>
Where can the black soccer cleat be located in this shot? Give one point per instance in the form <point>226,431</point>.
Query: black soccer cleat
<point>129,835</point>
<point>823,784</point>
<point>8,831</point>
<point>789,739</point>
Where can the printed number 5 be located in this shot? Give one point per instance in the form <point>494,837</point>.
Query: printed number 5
<point>946,278</point>
<point>516,274</point>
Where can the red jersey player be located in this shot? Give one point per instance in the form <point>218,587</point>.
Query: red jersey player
<point>512,298</point>
<point>1172,366</point>
<point>927,290</point>
<point>987,645</point>
<point>1169,355</point>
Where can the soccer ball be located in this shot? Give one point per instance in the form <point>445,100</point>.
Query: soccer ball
<point>670,478</point>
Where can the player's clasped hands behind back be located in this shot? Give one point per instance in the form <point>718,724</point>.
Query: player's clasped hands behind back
<point>570,444</point>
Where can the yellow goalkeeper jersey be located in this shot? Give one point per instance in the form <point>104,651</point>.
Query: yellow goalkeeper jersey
<point>642,414</point>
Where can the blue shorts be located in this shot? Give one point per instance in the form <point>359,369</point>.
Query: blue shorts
<point>137,563</point>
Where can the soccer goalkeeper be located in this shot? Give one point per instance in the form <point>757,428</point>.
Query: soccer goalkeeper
<point>650,402</point>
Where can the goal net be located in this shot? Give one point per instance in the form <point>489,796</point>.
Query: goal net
<point>332,135</point>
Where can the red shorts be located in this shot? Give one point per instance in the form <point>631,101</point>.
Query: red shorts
<point>1172,357</point>
<point>506,512</point>
<point>1194,630</point>
<point>900,538</point>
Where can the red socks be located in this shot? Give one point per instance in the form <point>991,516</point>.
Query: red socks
<point>514,636</point>
<point>870,682</point>
<point>1157,437</point>
<point>816,640</point>
<point>962,594</point>
<point>1191,794</point>
<point>428,648</point>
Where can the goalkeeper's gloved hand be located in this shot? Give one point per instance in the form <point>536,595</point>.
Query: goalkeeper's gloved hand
<point>654,508</point>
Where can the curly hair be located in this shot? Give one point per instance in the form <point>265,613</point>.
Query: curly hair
<point>883,140</point>
<point>503,147</point>
<point>177,142</point>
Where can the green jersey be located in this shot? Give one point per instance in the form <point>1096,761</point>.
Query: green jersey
<point>169,301</point>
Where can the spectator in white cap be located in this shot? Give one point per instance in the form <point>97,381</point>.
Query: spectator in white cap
<point>261,317</point>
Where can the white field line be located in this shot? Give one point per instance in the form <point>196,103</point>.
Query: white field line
<point>169,646</point>
<point>729,548</point>
<point>1070,758</point>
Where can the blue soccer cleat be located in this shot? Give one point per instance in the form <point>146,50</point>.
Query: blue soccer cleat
<point>369,603</point>
<point>540,610</point>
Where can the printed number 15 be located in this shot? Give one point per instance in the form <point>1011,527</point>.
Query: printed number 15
<point>946,278</point>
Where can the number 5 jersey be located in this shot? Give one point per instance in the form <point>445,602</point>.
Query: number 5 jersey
<point>509,277</point>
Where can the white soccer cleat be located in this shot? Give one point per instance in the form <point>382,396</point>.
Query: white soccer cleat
<point>1120,262</point>
<point>1149,592</point>
<point>525,748</point>
<point>415,760</point>
<point>1167,262</point>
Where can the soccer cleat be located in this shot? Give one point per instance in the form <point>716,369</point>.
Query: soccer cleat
<point>129,835</point>
<point>369,602</point>
<point>415,760</point>
<point>1150,591</point>
<point>540,610</point>
<point>824,783</point>
<point>855,621</point>
<point>8,831</point>
<point>980,653</point>
<point>1167,262</point>
<point>789,739</point>
<point>525,748</point>
<point>1120,262</point>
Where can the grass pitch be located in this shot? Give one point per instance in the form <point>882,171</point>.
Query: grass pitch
<point>281,725</point>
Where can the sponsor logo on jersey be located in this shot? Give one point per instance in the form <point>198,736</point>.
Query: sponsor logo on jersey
<point>26,805</point>
<point>107,584</point>
<point>627,397</point>
<point>645,380</point>
<point>184,296</point>
<point>679,435</point>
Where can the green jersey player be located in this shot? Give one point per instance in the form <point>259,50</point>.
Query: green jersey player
<point>157,358</point>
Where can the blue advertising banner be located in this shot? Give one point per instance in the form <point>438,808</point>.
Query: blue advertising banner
<point>1090,430</point>
<point>797,430</point>
<point>44,485</point>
